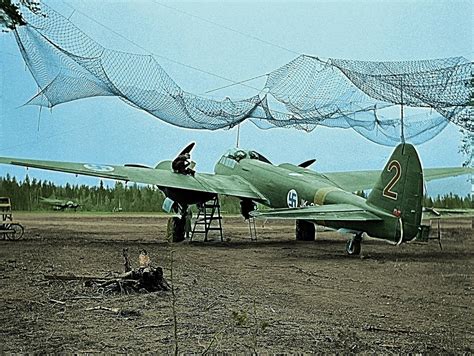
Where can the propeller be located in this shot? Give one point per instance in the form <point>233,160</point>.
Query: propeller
<point>164,164</point>
<point>181,165</point>
<point>307,163</point>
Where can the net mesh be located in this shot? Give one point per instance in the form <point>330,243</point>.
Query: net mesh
<point>304,93</point>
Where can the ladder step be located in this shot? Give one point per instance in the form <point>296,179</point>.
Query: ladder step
<point>203,222</point>
<point>209,218</point>
<point>204,231</point>
<point>210,227</point>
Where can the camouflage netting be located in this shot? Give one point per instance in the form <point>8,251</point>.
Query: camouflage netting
<point>305,93</point>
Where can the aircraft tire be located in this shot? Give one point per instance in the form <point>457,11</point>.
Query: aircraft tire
<point>353,246</point>
<point>175,229</point>
<point>305,231</point>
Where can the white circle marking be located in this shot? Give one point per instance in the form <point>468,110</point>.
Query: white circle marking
<point>98,168</point>
<point>292,199</point>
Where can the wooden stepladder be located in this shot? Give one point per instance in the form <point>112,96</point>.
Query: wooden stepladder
<point>9,229</point>
<point>209,219</point>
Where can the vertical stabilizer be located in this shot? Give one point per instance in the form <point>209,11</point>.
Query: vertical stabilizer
<point>399,190</point>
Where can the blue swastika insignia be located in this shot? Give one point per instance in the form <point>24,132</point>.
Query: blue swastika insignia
<point>292,199</point>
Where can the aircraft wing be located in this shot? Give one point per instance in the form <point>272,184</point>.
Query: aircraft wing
<point>330,212</point>
<point>201,182</point>
<point>362,180</point>
<point>50,201</point>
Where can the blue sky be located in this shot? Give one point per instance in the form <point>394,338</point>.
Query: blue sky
<point>106,130</point>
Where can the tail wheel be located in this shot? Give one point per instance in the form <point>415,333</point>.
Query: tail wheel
<point>353,246</point>
<point>15,232</point>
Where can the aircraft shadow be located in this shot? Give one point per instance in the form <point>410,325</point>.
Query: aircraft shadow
<point>330,249</point>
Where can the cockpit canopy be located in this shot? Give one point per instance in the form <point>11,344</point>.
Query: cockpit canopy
<point>238,154</point>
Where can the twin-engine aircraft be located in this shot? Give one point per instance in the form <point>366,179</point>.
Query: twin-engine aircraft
<point>392,211</point>
<point>60,204</point>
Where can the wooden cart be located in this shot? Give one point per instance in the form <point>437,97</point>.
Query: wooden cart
<point>9,229</point>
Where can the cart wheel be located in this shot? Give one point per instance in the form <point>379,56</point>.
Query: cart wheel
<point>15,232</point>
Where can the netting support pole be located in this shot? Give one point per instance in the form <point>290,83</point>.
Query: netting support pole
<point>238,135</point>
<point>472,178</point>
<point>472,194</point>
<point>402,128</point>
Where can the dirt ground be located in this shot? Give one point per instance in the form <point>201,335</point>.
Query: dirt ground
<point>273,295</point>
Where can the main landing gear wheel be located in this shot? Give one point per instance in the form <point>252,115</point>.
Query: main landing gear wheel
<point>305,230</point>
<point>175,229</point>
<point>353,245</point>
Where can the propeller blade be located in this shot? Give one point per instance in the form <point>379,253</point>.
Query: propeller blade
<point>187,149</point>
<point>136,165</point>
<point>307,163</point>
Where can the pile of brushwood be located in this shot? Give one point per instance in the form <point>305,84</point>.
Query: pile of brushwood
<point>143,279</point>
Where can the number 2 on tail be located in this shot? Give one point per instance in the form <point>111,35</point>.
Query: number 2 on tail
<point>387,191</point>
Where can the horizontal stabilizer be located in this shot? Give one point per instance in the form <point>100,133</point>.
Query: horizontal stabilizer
<point>442,213</point>
<point>362,180</point>
<point>331,212</point>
